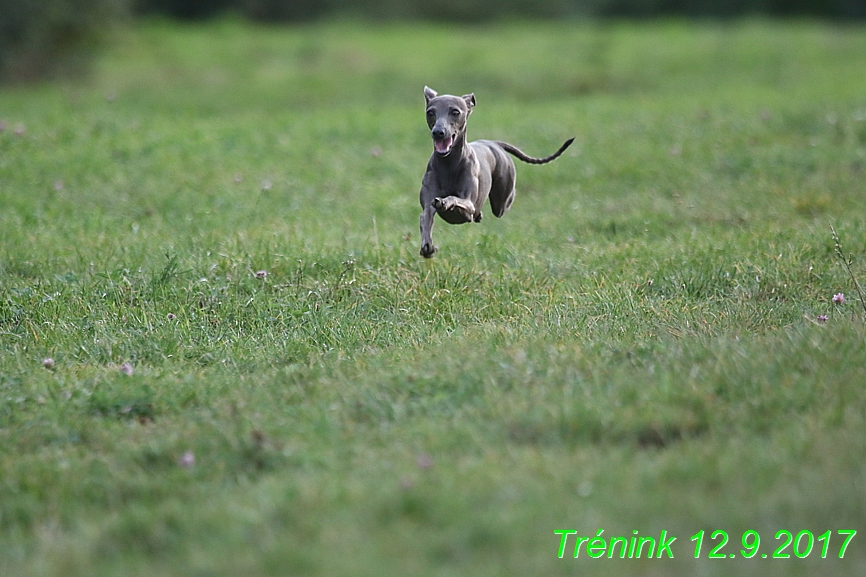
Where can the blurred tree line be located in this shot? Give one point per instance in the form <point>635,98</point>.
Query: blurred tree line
<point>38,38</point>
<point>481,10</point>
<point>42,38</point>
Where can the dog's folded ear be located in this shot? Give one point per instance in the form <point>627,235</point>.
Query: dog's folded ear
<point>429,94</point>
<point>470,100</point>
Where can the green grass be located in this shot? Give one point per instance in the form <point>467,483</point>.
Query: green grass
<point>636,346</point>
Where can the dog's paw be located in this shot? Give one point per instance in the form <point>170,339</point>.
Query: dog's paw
<point>438,203</point>
<point>477,217</point>
<point>428,249</point>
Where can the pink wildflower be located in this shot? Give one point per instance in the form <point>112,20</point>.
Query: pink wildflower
<point>424,461</point>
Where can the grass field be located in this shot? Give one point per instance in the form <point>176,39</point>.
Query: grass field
<point>215,240</point>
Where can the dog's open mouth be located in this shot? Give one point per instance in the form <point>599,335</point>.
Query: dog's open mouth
<point>444,145</point>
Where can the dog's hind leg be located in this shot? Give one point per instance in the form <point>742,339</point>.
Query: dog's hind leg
<point>503,177</point>
<point>500,202</point>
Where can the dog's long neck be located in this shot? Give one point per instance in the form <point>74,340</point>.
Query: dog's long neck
<point>450,169</point>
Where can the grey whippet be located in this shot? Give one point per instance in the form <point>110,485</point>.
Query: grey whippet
<point>461,177</point>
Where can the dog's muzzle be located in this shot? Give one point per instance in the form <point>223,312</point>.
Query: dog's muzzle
<point>443,145</point>
<point>442,141</point>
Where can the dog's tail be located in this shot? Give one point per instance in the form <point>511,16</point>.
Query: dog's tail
<point>525,158</point>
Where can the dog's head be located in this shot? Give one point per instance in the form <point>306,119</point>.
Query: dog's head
<point>446,117</point>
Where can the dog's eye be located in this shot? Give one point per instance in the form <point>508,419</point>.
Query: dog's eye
<point>455,112</point>
<point>431,114</point>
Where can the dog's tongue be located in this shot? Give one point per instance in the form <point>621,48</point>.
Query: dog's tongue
<point>444,145</point>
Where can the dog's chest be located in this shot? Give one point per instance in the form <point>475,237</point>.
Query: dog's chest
<point>458,179</point>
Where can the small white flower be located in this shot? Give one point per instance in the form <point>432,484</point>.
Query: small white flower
<point>186,460</point>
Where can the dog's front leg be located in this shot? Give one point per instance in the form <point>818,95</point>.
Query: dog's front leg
<point>456,210</point>
<point>427,247</point>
